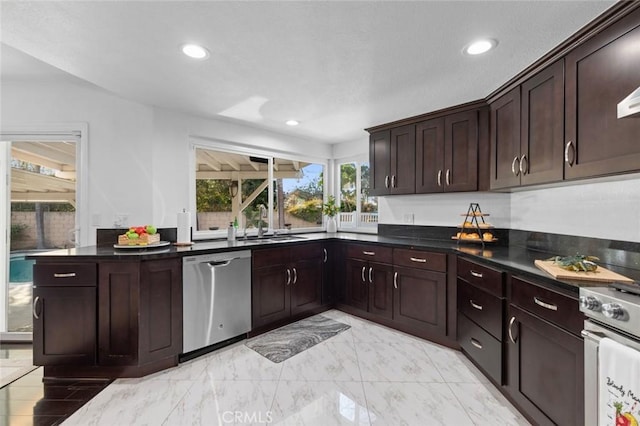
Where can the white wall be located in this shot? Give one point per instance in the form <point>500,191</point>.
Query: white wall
<point>138,155</point>
<point>609,210</point>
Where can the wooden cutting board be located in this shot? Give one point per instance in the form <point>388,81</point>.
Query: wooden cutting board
<point>600,275</point>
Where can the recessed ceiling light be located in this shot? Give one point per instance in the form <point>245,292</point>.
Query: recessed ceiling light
<point>194,51</point>
<point>480,46</point>
<point>292,123</point>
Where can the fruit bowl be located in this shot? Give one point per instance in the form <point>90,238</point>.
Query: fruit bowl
<point>139,236</point>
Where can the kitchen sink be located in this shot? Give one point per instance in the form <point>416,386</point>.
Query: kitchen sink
<point>267,238</point>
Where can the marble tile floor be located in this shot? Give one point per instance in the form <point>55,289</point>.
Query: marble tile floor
<point>368,374</point>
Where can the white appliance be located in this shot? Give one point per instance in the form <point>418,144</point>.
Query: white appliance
<point>612,312</point>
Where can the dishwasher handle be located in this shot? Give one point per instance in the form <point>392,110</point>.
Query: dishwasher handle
<point>221,263</point>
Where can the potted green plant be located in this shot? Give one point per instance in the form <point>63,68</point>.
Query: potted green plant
<point>330,209</point>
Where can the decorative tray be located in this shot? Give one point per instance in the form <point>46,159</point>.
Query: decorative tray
<point>148,246</point>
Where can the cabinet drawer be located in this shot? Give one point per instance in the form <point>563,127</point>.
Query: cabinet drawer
<point>547,304</point>
<point>307,251</point>
<point>481,346</point>
<point>420,259</point>
<point>481,276</point>
<point>483,308</point>
<point>66,274</point>
<point>370,252</point>
<point>270,257</point>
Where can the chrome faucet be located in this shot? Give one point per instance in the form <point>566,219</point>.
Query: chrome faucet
<point>263,213</point>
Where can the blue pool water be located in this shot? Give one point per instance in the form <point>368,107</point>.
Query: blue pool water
<point>20,269</point>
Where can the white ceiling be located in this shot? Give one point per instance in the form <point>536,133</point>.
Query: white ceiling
<point>335,66</point>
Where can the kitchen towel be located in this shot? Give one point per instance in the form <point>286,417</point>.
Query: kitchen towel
<point>619,384</point>
<point>184,227</point>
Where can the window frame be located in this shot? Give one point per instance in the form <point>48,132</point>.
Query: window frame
<point>358,160</point>
<point>270,155</point>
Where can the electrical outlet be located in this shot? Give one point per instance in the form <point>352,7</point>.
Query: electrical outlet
<point>121,220</point>
<point>407,218</point>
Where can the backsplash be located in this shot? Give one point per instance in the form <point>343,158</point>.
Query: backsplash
<point>608,210</point>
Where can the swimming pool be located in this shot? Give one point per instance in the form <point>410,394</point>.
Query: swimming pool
<point>20,269</point>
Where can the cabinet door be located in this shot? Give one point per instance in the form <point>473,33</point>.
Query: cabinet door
<point>461,152</point>
<point>380,162</point>
<point>542,134</point>
<point>403,160</point>
<point>380,277</point>
<point>430,156</point>
<point>599,74</point>
<point>357,284</point>
<point>160,309</point>
<point>64,325</point>
<point>270,294</point>
<point>505,141</point>
<point>118,328</point>
<point>545,370</point>
<point>306,285</point>
<point>420,299</point>
<point>329,273</point>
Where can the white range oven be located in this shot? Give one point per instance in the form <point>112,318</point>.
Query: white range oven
<point>613,312</point>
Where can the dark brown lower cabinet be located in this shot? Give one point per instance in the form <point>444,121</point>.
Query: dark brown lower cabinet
<point>481,346</point>
<point>420,300</point>
<point>64,325</point>
<point>369,287</point>
<point>286,281</point>
<point>306,286</point>
<point>545,369</point>
<point>140,311</point>
<point>270,296</point>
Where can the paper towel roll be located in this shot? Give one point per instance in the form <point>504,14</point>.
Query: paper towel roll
<point>184,227</point>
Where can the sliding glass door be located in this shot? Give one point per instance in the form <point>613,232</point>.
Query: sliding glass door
<point>40,212</point>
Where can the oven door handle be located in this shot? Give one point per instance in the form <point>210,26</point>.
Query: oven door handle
<point>594,336</point>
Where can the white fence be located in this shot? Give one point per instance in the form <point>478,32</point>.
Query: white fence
<point>352,219</point>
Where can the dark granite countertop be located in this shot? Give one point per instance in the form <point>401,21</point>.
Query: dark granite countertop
<point>513,258</point>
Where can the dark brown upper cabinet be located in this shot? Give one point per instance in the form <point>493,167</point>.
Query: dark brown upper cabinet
<point>505,140</point>
<point>392,161</point>
<point>542,127</point>
<point>600,73</point>
<point>447,153</point>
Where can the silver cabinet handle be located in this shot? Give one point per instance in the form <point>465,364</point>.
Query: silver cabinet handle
<point>418,260</point>
<point>371,275</point>
<point>439,177</point>
<point>524,165</point>
<point>288,276</point>
<point>509,329</point>
<point>324,250</point>
<point>566,154</point>
<point>369,253</point>
<point>34,307</point>
<point>363,278</point>
<point>447,177</point>
<point>475,343</point>
<point>549,306</point>
<point>476,274</point>
<point>395,280</point>
<point>475,305</point>
<point>514,170</point>
<point>386,181</point>
<point>65,275</point>
<point>295,275</point>
<point>393,181</point>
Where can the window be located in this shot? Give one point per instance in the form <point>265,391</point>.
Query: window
<point>358,209</point>
<point>234,185</point>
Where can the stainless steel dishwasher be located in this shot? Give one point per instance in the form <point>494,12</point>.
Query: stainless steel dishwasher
<point>216,298</point>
